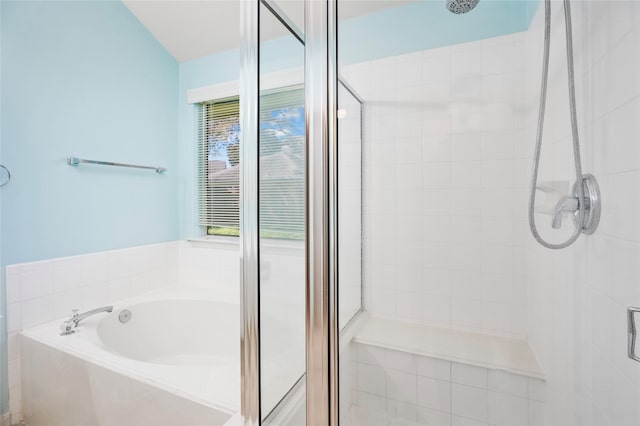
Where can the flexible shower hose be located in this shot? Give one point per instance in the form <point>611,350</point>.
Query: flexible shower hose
<point>574,128</point>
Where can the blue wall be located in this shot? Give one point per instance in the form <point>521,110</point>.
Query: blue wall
<point>85,79</point>
<point>427,25</point>
<point>4,394</point>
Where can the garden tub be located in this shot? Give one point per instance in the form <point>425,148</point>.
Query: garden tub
<point>175,361</point>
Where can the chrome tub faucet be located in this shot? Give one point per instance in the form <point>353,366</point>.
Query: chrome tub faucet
<point>68,326</point>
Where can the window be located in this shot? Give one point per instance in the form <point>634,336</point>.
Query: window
<point>282,171</point>
<point>218,166</point>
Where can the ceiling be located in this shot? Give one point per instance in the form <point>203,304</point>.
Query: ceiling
<point>191,29</point>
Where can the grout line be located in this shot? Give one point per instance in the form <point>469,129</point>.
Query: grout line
<point>451,393</point>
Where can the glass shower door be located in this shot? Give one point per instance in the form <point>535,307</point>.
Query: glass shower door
<point>273,215</point>
<point>288,272</point>
<point>281,213</point>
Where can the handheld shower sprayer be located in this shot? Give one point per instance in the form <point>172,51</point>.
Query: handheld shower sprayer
<point>584,201</point>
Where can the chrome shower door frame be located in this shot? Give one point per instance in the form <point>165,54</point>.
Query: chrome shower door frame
<point>249,231</point>
<point>321,84</point>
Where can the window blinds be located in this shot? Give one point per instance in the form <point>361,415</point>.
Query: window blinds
<point>218,165</point>
<point>281,169</point>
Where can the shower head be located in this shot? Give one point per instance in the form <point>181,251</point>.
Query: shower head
<point>461,6</point>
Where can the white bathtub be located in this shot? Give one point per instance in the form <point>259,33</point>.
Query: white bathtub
<point>175,362</point>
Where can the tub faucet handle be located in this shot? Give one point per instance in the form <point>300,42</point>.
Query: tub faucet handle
<point>67,327</point>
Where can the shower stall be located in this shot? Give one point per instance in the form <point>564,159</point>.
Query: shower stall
<point>480,303</point>
<point>340,212</point>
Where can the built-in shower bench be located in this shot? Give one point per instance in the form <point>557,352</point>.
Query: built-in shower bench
<point>432,375</point>
<point>478,349</point>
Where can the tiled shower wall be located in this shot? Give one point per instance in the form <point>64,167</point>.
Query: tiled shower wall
<point>444,185</point>
<point>578,297</point>
<point>439,392</point>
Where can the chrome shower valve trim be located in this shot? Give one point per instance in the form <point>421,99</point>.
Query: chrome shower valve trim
<point>571,204</point>
<point>592,203</point>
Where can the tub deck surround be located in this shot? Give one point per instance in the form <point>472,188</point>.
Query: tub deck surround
<point>208,374</point>
<point>477,349</point>
<point>61,389</point>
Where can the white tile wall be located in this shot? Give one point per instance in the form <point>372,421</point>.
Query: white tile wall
<point>41,291</point>
<point>347,379</point>
<point>432,391</point>
<point>577,297</point>
<point>440,166</point>
<point>212,264</point>
<point>350,212</point>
